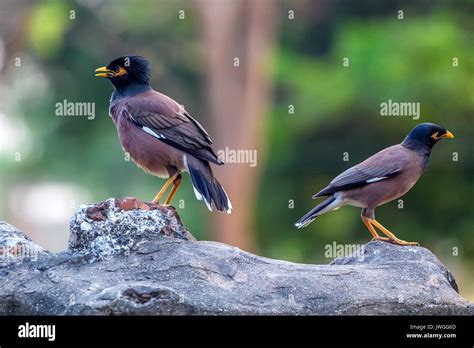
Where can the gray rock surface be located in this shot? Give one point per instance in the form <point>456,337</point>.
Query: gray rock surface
<point>130,257</point>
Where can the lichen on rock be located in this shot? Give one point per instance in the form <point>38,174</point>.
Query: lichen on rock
<point>117,226</point>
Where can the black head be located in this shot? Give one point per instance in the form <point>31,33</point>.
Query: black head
<point>425,135</point>
<point>126,71</point>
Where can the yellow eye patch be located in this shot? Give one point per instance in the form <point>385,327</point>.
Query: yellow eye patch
<point>121,72</point>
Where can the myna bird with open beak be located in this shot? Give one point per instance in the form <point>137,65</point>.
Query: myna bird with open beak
<point>385,176</point>
<point>159,134</point>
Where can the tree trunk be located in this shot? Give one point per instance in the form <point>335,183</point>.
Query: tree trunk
<point>238,98</point>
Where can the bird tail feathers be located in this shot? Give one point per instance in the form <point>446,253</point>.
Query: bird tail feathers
<point>206,187</point>
<point>328,204</point>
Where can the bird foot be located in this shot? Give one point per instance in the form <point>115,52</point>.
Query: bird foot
<point>381,238</point>
<point>403,242</point>
<point>160,204</point>
<point>163,205</point>
<point>396,241</point>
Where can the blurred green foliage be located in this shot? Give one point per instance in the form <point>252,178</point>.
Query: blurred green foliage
<point>47,25</point>
<point>337,110</point>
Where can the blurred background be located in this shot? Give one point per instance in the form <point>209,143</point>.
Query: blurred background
<point>299,82</point>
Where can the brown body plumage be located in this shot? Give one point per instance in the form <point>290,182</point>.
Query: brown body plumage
<point>152,155</point>
<point>160,135</point>
<point>409,165</point>
<point>381,178</point>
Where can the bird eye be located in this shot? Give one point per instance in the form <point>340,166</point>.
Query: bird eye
<point>117,69</point>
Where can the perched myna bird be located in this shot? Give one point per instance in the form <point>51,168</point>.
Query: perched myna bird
<point>159,134</point>
<point>385,176</point>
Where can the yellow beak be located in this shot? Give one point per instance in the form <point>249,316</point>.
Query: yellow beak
<point>448,135</point>
<point>104,72</point>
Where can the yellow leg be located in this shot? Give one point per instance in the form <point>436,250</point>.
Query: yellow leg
<point>176,184</point>
<point>167,184</point>
<point>392,238</point>
<point>372,230</point>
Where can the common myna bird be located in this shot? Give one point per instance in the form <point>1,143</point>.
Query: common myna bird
<point>159,134</point>
<point>385,176</point>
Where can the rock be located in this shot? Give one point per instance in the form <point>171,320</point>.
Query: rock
<point>130,257</point>
<point>120,225</point>
<point>16,247</point>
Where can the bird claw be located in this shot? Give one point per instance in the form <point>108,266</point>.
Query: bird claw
<point>163,205</point>
<point>158,204</point>
<point>396,241</point>
<point>381,238</point>
<point>403,242</point>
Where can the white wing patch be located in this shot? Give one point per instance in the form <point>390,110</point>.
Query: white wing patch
<point>375,179</point>
<point>152,133</point>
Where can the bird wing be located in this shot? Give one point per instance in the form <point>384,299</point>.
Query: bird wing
<point>163,118</point>
<point>381,166</point>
